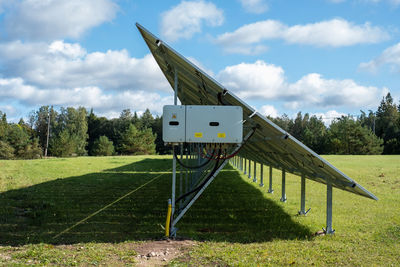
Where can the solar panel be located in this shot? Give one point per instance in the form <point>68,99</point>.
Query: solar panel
<point>270,145</point>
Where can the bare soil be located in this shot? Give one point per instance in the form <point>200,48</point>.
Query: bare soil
<point>161,252</point>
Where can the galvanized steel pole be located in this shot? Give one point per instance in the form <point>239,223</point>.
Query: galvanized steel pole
<point>303,195</point>
<point>283,198</point>
<point>261,174</point>
<point>329,229</point>
<point>270,190</point>
<point>255,172</point>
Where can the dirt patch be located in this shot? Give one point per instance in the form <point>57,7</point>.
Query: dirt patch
<point>159,253</point>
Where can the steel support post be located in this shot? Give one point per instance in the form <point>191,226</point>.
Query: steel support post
<point>270,190</point>
<point>180,177</point>
<point>249,171</point>
<point>245,166</point>
<point>241,163</point>
<point>173,184</point>
<point>329,229</point>
<point>283,198</point>
<point>261,175</point>
<point>172,230</point>
<point>255,172</point>
<point>303,196</point>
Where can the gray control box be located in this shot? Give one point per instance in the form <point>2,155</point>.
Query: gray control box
<point>202,124</point>
<point>174,124</point>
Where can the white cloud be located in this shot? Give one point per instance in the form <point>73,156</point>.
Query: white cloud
<point>336,33</point>
<point>330,33</point>
<point>260,80</point>
<point>253,80</point>
<point>254,6</point>
<point>65,65</point>
<point>315,90</point>
<point>268,110</point>
<point>91,97</point>
<point>8,109</point>
<point>65,74</point>
<point>53,19</point>
<point>390,56</point>
<point>187,18</point>
<point>329,116</point>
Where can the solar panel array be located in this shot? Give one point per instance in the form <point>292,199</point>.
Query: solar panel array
<point>270,145</point>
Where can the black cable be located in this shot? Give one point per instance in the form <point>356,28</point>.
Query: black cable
<point>192,167</point>
<point>237,151</point>
<point>215,167</point>
<point>220,95</point>
<point>203,183</point>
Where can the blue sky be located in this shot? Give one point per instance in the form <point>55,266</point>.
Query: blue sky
<point>324,57</point>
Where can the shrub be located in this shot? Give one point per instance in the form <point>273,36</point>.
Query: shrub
<point>103,147</point>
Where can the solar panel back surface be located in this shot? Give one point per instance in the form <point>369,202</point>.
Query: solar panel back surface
<point>270,145</point>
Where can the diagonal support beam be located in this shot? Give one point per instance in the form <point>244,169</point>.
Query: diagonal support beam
<point>198,194</point>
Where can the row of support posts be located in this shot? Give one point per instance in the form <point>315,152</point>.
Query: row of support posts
<point>241,164</point>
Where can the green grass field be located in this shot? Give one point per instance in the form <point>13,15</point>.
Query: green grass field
<point>235,222</point>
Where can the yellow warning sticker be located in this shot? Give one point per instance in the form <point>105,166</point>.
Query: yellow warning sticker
<point>198,135</point>
<point>221,135</point>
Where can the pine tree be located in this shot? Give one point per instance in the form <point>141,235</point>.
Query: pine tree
<point>135,142</point>
<point>388,126</point>
<point>103,147</point>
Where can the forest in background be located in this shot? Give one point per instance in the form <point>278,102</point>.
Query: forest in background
<point>79,132</point>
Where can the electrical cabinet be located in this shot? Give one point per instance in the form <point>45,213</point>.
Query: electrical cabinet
<point>174,124</point>
<point>202,124</point>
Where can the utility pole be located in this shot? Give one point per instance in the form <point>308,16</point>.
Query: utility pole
<point>48,133</point>
<point>374,123</point>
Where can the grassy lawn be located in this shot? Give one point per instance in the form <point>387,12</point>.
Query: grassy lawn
<point>235,222</point>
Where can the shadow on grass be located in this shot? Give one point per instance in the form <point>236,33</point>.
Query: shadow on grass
<point>229,210</point>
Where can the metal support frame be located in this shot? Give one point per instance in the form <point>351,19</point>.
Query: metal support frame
<point>176,220</point>
<point>173,229</point>
<point>329,230</point>
<point>261,175</point>
<point>255,172</point>
<point>283,198</point>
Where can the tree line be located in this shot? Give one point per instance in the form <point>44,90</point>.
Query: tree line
<point>371,133</point>
<point>77,132</point>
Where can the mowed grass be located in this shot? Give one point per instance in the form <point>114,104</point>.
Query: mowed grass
<point>235,221</point>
